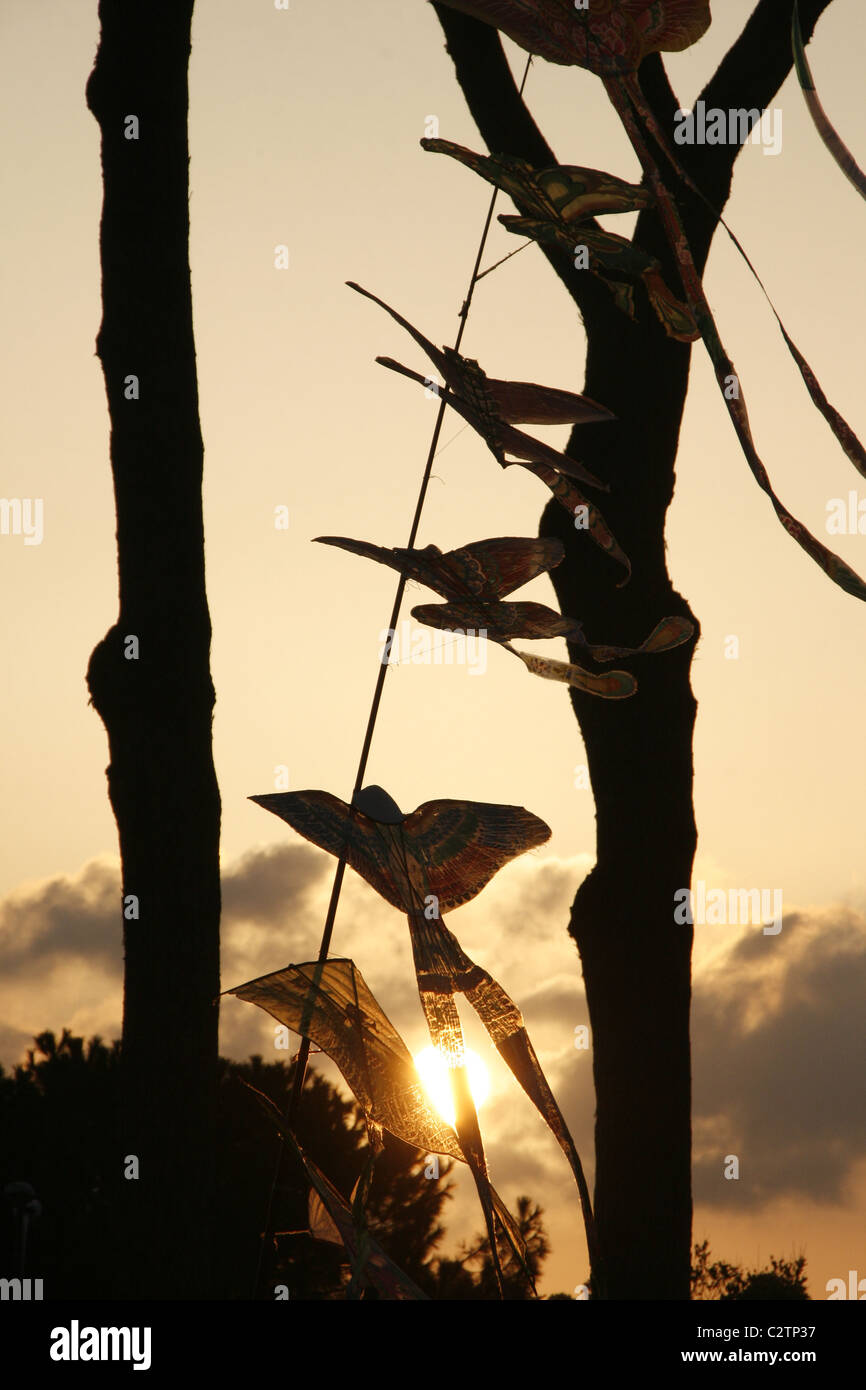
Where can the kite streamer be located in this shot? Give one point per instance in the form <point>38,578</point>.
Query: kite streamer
<point>611,38</point>
<point>832,139</point>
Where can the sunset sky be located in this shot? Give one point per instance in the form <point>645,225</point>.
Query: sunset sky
<point>304,131</point>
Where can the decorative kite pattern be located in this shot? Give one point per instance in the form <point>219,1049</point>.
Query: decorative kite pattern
<point>630,104</point>
<point>670,632</point>
<point>491,406</point>
<point>567,192</point>
<point>330,1003</point>
<point>451,849</point>
<point>611,38</point>
<point>557,201</point>
<point>499,623</point>
<point>438,857</point>
<point>484,570</point>
<point>474,579</point>
<point>611,685</point>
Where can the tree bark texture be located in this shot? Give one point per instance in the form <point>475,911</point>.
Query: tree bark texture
<point>155,694</point>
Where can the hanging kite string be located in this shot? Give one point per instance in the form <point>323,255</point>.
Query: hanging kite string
<point>324,948</point>
<point>503,259</point>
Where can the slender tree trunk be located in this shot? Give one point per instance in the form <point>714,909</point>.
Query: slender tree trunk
<point>149,677</point>
<point>636,961</point>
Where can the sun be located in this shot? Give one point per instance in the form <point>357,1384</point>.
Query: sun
<point>433,1070</point>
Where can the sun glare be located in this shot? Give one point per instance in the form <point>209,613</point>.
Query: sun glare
<point>433,1070</point>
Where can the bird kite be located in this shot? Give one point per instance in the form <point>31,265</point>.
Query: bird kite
<point>492,406</point>
<point>475,578</point>
<point>330,1003</point>
<point>425,863</point>
<point>611,38</point>
<point>558,201</point>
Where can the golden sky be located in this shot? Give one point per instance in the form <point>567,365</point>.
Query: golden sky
<point>304,130</point>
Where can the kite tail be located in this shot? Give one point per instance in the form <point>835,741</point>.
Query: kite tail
<point>627,98</point>
<point>504,1022</point>
<point>446,1034</point>
<point>831,137</point>
<point>839,426</point>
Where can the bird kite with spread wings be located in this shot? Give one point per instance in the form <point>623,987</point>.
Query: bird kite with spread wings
<point>434,859</point>
<point>476,577</point>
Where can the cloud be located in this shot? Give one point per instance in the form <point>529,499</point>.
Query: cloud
<point>779,1028</point>
<point>61,920</point>
<point>61,943</point>
<point>779,1034</point>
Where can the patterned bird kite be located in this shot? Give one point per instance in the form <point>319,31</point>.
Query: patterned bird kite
<point>611,38</point>
<point>330,1003</point>
<point>476,577</point>
<point>492,406</point>
<point>488,405</point>
<point>558,202</point>
<point>436,858</point>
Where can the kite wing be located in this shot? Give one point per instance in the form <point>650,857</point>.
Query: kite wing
<point>460,845</point>
<point>493,568</point>
<point>330,1003</point>
<point>332,825</point>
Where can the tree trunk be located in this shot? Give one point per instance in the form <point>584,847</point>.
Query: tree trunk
<point>149,677</point>
<point>636,961</point>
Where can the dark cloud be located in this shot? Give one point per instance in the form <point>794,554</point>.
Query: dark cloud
<point>79,917</point>
<point>50,931</point>
<point>779,1036</point>
<point>266,884</point>
<point>63,920</point>
<point>779,1028</point>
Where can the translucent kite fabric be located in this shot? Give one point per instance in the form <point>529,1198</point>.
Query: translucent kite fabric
<point>436,858</point>
<point>331,1004</point>
<point>450,849</point>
